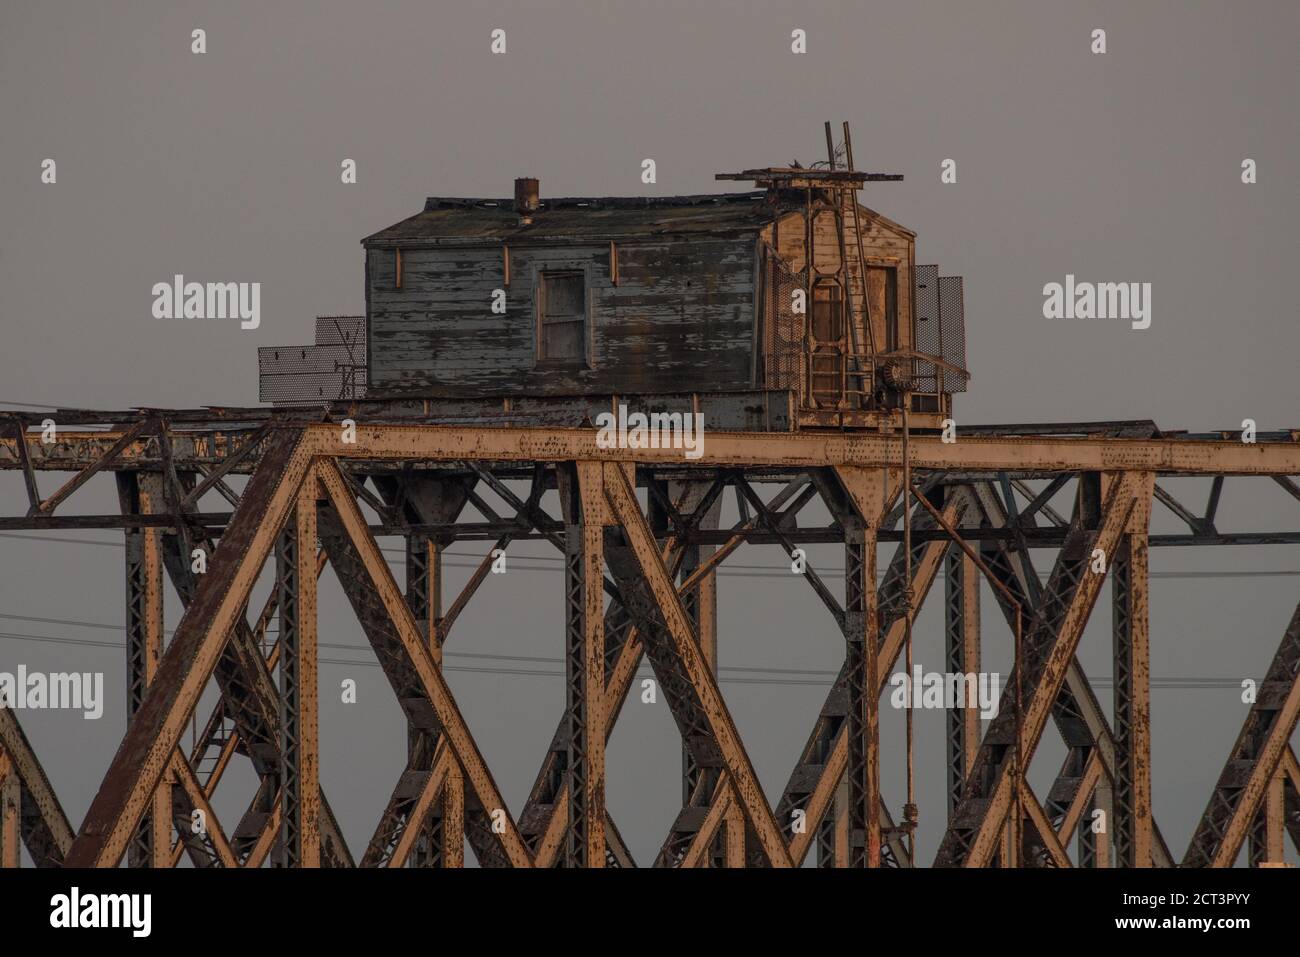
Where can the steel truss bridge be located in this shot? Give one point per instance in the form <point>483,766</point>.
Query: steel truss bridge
<point>638,583</point>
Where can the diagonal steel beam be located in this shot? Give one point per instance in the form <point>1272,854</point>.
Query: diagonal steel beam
<point>766,518</point>
<point>42,824</point>
<point>146,750</point>
<point>1049,849</point>
<point>719,809</point>
<point>688,684</point>
<point>432,788</point>
<point>1255,757</point>
<point>25,463</point>
<point>623,653</point>
<point>1077,712</point>
<point>211,833</point>
<point>221,471</point>
<point>216,744</point>
<point>423,499</point>
<point>48,506</point>
<point>250,699</point>
<point>821,764</point>
<point>1037,677</point>
<point>11,801</point>
<point>397,641</point>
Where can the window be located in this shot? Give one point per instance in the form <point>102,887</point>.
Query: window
<point>828,313</point>
<point>562,317</point>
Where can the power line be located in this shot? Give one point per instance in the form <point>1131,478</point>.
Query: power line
<point>826,678</point>
<point>729,570</point>
<point>29,405</point>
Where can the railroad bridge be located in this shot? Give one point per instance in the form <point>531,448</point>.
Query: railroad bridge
<point>639,532</point>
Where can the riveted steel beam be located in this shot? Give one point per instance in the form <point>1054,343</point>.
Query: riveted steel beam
<point>145,753</point>
<point>299,843</point>
<point>42,824</point>
<point>391,628</point>
<point>142,493</point>
<point>1253,761</point>
<point>1046,651</point>
<point>813,781</point>
<point>673,649</point>
<point>1132,824</point>
<point>962,654</point>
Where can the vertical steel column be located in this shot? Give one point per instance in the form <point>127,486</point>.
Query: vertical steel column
<point>1132,792</point>
<point>701,605</point>
<point>424,587</point>
<point>962,607</point>
<point>1268,830</point>
<point>585,663</point>
<point>838,855</point>
<point>862,633</point>
<point>1085,840</point>
<point>424,598</point>
<point>1275,819</point>
<point>299,843</point>
<point>1094,849</point>
<point>857,499</point>
<point>452,827</point>
<point>142,493</point>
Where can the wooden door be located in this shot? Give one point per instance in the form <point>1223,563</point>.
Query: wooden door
<point>826,346</point>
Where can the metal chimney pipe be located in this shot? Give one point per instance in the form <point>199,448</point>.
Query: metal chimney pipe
<point>526,199</point>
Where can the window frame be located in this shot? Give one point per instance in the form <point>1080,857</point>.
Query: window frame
<point>541,272</point>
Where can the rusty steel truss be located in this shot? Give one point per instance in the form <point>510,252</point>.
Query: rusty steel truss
<point>638,584</point>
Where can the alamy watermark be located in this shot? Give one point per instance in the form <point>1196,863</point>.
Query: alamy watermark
<point>58,690</point>
<point>179,299</point>
<point>75,909</point>
<point>938,689</point>
<point>656,430</point>
<point>1103,300</point>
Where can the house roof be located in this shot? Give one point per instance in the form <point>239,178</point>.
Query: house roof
<point>457,221</point>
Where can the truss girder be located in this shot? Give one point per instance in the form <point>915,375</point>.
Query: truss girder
<point>1050,638</point>
<point>1254,760</point>
<point>306,480</point>
<point>145,752</point>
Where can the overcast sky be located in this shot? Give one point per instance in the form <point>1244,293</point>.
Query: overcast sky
<point>225,166</point>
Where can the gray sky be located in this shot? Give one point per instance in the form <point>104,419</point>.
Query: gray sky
<point>225,167</point>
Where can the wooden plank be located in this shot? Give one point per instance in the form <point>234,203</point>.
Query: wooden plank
<point>680,315</point>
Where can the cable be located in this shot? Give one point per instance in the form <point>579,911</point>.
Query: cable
<point>29,405</point>
<point>727,571</point>
<point>1163,683</point>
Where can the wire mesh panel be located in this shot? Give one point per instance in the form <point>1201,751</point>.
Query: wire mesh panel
<point>333,368</point>
<point>928,331</point>
<point>343,331</point>
<point>785,331</point>
<point>952,332</point>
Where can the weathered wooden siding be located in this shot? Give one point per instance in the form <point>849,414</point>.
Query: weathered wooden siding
<point>881,244</point>
<point>679,320</point>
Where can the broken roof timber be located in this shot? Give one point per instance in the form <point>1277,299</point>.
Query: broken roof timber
<point>798,177</point>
